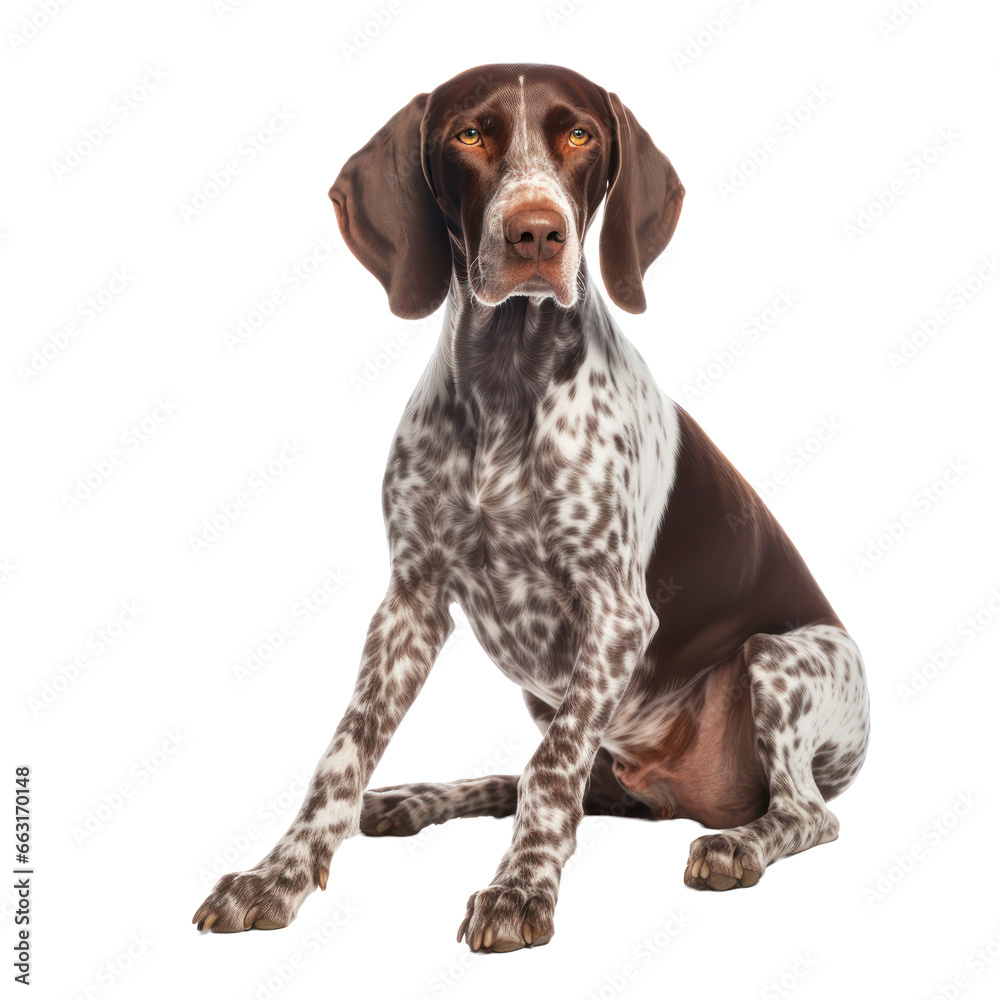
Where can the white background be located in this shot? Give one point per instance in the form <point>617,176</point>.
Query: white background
<point>899,905</point>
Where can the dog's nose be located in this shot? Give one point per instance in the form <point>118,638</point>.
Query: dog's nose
<point>536,233</point>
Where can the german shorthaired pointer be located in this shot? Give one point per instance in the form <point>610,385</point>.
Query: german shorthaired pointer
<point>672,647</point>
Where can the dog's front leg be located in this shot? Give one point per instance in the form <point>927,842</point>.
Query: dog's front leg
<point>517,908</point>
<point>405,635</point>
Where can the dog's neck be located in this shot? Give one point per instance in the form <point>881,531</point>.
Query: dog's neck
<point>502,360</point>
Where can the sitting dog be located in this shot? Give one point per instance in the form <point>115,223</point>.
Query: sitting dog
<point>672,646</point>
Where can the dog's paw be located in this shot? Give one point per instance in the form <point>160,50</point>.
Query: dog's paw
<point>722,861</point>
<point>264,898</point>
<point>399,811</point>
<point>504,919</point>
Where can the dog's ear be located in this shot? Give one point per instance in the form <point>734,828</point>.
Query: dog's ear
<point>640,213</point>
<point>390,219</point>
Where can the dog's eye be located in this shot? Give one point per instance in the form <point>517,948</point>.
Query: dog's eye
<point>578,136</point>
<point>470,136</point>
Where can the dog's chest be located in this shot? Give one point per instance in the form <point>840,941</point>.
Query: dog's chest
<point>523,514</point>
<point>504,539</point>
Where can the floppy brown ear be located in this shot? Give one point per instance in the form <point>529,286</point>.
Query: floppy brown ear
<point>390,219</point>
<point>641,210</point>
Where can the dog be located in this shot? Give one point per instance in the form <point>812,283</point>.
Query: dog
<point>674,650</point>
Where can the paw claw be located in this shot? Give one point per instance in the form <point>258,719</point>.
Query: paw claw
<point>321,878</point>
<point>500,919</point>
<point>264,897</point>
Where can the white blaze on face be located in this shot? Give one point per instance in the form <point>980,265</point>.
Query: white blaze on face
<point>529,181</point>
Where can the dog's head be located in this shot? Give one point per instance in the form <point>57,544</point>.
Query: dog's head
<point>502,168</point>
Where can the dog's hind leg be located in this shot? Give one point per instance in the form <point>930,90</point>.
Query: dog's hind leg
<point>810,709</point>
<point>403,810</point>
